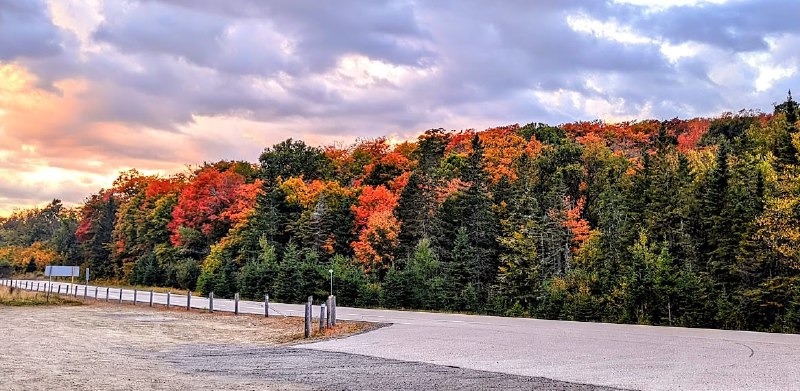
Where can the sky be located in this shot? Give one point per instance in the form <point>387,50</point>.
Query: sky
<point>91,88</point>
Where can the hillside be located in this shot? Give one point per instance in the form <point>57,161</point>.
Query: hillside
<point>678,222</point>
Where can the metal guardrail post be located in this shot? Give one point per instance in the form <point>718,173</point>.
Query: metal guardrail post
<point>322,318</point>
<point>333,312</point>
<point>307,330</point>
<point>330,306</point>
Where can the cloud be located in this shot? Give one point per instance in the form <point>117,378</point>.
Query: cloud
<point>91,88</point>
<point>741,26</point>
<point>26,30</point>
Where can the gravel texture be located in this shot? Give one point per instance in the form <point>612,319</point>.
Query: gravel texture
<point>321,370</point>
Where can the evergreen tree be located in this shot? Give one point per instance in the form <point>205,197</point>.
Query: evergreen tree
<point>290,276</point>
<point>258,276</point>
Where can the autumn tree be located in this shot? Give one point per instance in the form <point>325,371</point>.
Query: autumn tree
<point>293,158</point>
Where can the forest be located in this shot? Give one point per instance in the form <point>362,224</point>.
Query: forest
<point>691,222</point>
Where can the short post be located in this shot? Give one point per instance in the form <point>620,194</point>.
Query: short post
<point>151,297</point>
<point>333,312</point>
<point>107,292</point>
<point>307,330</point>
<point>211,301</point>
<point>120,295</point>
<point>169,295</point>
<point>322,318</point>
<point>189,301</point>
<point>59,290</point>
<point>236,303</point>
<point>85,291</point>
<point>330,305</point>
<point>95,292</point>
<point>135,292</point>
<point>266,306</point>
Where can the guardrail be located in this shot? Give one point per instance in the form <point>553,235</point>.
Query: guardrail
<point>188,301</point>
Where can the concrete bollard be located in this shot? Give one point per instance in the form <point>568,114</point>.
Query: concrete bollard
<point>322,318</point>
<point>266,306</point>
<point>189,301</point>
<point>211,301</point>
<point>236,303</point>
<point>135,293</point>
<point>151,297</point>
<point>169,295</point>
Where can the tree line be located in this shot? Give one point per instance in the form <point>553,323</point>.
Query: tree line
<point>676,222</point>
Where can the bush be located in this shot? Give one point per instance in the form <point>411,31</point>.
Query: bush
<point>5,269</point>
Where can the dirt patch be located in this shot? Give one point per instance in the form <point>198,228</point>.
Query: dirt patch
<point>21,298</point>
<point>117,347</point>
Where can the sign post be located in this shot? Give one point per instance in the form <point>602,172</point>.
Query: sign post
<point>62,271</point>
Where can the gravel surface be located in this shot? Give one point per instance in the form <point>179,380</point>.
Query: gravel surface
<point>108,347</point>
<point>340,371</point>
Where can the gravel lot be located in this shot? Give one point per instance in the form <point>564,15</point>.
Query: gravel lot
<point>109,347</point>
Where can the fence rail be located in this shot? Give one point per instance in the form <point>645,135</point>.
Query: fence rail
<point>188,301</point>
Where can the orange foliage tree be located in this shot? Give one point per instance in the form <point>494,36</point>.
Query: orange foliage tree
<point>212,203</point>
<point>377,227</point>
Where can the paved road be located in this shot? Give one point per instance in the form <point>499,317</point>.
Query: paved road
<point>627,356</point>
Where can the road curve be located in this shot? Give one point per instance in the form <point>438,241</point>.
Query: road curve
<point>626,356</point>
